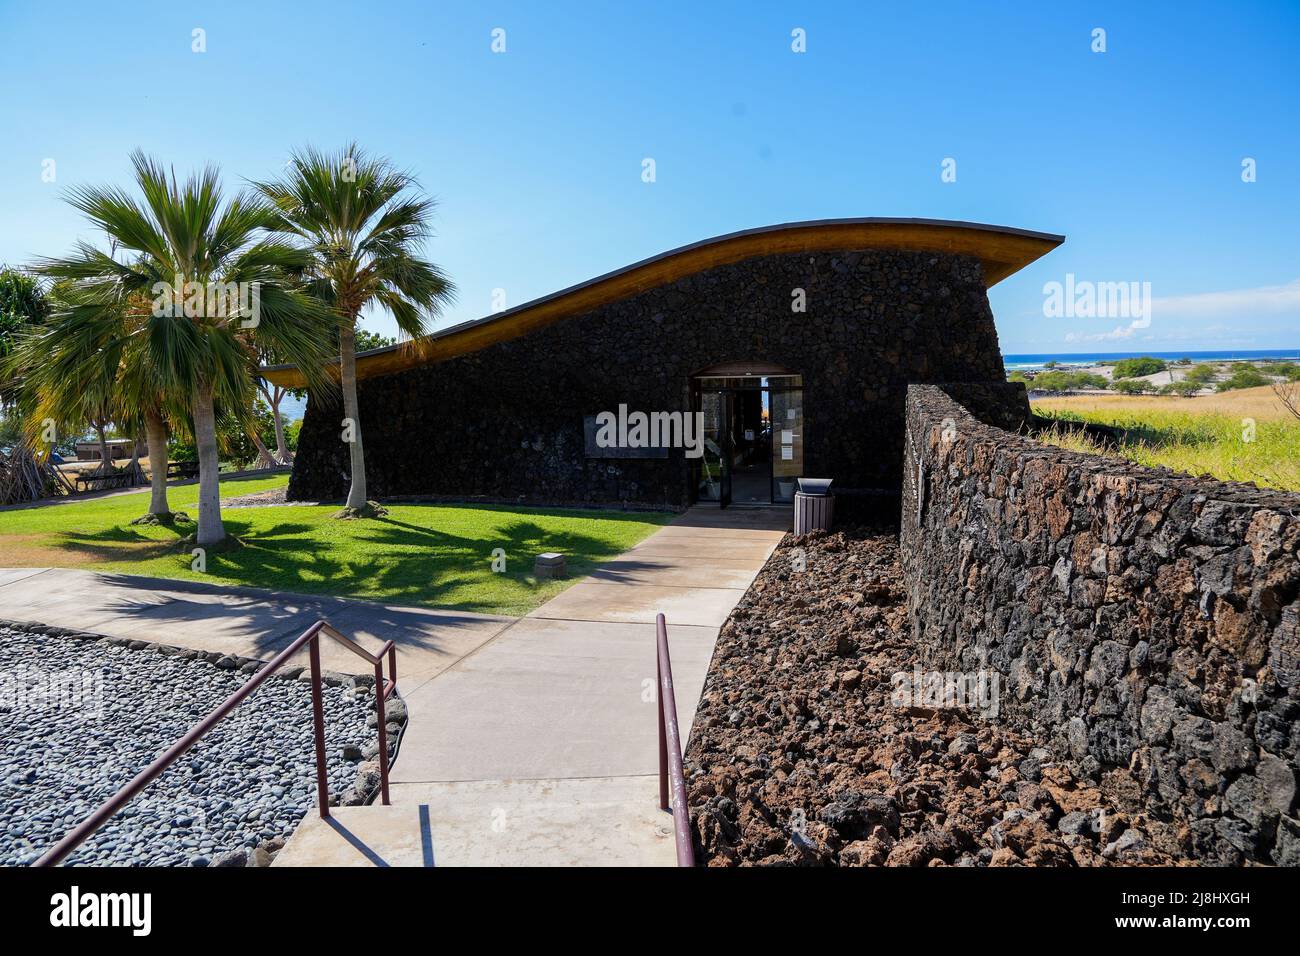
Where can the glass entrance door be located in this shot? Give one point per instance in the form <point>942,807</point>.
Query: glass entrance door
<point>728,404</point>
<point>753,438</point>
<point>712,471</point>
<point>787,443</point>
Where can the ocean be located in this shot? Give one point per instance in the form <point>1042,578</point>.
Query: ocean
<point>1038,360</point>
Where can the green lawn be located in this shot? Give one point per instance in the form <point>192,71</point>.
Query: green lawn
<point>435,555</point>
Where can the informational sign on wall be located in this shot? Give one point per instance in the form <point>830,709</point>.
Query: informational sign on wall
<point>595,450</point>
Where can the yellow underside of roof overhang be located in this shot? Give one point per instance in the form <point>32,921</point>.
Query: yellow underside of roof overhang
<point>1001,251</point>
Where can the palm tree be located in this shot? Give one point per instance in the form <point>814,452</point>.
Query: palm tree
<point>364,223</point>
<point>25,471</point>
<point>91,362</point>
<point>193,256</point>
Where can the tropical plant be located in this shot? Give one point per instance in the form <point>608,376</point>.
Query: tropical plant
<point>364,224</point>
<point>200,277</point>
<point>25,473</point>
<point>367,341</point>
<point>22,304</point>
<point>90,363</point>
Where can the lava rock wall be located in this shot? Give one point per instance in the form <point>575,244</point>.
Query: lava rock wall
<point>1146,623</point>
<point>506,423</point>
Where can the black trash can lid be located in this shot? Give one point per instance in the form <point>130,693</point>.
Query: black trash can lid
<point>818,487</point>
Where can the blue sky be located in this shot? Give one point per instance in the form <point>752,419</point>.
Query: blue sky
<point>536,153</point>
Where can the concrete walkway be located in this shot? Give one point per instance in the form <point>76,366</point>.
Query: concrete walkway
<point>540,747</point>
<point>532,740</point>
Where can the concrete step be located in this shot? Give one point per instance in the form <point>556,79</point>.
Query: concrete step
<point>606,821</point>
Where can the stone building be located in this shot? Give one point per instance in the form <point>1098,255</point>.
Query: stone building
<point>720,371</point>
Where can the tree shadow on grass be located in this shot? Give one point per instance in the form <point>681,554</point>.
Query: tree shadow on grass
<point>122,542</point>
<point>1167,436</point>
<point>399,561</point>
<point>420,560</point>
<point>520,540</point>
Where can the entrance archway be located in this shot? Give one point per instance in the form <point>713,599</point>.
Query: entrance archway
<point>753,433</point>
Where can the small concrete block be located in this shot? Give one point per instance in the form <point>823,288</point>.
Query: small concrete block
<point>549,564</point>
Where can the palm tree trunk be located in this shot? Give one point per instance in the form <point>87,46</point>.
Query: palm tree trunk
<point>133,468</point>
<point>105,456</point>
<point>264,459</point>
<point>282,453</point>
<point>155,430</point>
<point>211,530</point>
<point>348,372</point>
<point>273,399</point>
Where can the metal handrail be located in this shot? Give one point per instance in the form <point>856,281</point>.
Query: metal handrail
<point>670,751</point>
<point>311,637</point>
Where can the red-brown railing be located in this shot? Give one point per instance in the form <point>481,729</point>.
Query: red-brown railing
<point>670,752</point>
<point>311,637</point>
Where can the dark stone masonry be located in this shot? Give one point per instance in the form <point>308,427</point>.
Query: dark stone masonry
<point>506,422</point>
<point>1146,624</point>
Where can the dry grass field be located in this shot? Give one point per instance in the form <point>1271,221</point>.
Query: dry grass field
<point>1257,403</point>
<point>1244,435</point>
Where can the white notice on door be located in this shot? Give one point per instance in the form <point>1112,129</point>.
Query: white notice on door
<point>787,453</point>
<point>787,436</point>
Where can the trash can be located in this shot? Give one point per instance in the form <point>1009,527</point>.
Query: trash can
<point>814,505</point>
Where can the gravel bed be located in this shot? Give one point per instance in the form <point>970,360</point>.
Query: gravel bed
<point>262,499</point>
<point>801,753</point>
<point>81,715</point>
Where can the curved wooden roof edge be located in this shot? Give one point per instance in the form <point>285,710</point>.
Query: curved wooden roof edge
<point>1000,249</point>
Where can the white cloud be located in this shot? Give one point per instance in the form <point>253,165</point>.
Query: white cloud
<point>1234,303</point>
<point>1231,304</point>
<point>1117,333</point>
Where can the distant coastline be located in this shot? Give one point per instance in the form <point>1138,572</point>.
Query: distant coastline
<point>1036,360</point>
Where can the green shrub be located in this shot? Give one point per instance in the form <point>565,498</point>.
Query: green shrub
<point>1058,381</point>
<point>1132,386</point>
<point>1244,375</point>
<point>1288,370</point>
<point>1184,388</point>
<point>1135,367</point>
<point>1200,374</point>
